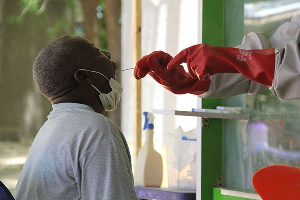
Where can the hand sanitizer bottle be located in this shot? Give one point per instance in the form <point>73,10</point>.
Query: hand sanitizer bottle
<point>149,168</point>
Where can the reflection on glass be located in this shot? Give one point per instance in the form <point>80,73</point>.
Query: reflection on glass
<point>266,16</point>
<point>270,143</point>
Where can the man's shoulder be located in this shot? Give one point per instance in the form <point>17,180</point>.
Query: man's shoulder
<point>100,121</point>
<point>87,126</point>
<point>86,118</point>
<point>95,122</point>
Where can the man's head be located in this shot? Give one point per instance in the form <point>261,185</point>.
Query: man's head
<point>56,73</point>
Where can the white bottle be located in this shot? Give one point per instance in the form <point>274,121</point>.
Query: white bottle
<point>149,168</point>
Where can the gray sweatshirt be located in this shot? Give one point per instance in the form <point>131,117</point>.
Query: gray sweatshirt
<point>77,154</point>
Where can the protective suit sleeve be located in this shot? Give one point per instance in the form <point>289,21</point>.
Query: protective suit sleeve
<point>286,40</point>
<point>228,84</point>
<point>286,79</point>
<point>285,33</point>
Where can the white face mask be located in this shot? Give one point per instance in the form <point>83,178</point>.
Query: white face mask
<point>111,99</point>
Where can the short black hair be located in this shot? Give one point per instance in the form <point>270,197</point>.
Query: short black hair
<point>54,67</point>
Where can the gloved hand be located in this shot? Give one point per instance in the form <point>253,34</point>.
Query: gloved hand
<point>173,78</point>
<point>142,69</point>
<point>204,60</point>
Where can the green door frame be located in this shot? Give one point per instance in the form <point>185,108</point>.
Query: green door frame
<point>211,157</point>
<point>215,33</point>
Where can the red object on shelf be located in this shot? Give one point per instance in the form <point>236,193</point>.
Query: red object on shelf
<point>277,182</point>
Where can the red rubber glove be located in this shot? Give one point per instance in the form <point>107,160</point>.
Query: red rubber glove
<point>204,60</point>
<point>141,69</point>
<point>174,78</point>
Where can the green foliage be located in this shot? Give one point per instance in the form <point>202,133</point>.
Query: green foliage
<point>58,27</point>
<point>30,5</point>
<point>53,27</point>
<point>46,16</point>
<point>13,19</point>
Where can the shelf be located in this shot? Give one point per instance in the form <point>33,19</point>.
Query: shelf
<point>202,114</point>
<point>221,193</point>
<point>164,194</point>
<point>240,194</point>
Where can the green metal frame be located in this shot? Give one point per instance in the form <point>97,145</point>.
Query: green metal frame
<point>211,163</point>
<point>218,196</point>
<point>214,32</point>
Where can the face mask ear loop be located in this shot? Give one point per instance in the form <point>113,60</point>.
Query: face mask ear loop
<point>96,88</point>
<point>94,72</point>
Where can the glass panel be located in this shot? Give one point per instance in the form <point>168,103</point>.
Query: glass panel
<point>272,135</point>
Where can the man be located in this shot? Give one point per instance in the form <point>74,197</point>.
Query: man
<point>78,153</point>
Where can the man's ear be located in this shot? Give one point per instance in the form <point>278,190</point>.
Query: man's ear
<point>83,77</point>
